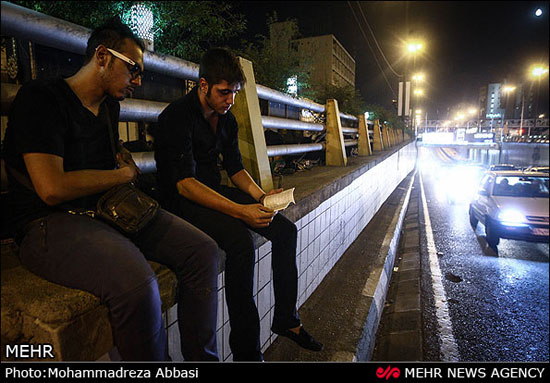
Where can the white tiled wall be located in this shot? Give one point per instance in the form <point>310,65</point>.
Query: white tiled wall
<point>324,234</point>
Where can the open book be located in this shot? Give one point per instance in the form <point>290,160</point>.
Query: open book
<point>279,201</point>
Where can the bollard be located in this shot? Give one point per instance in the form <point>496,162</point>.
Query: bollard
<point>335,149</point>
<point>251,132</point>
<point>364,139</point>
<point>377,143</point>
<point>385,137</point>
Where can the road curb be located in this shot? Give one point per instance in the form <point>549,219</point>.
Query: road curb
<point>344,312</point>
<point>378,282</point>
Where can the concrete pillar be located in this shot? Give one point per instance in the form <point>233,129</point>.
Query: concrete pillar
<point>335,149</point>
<point>364,139</point>
<point>251,131</point>
<point>377,143</point>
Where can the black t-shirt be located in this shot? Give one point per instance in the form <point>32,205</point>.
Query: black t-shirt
<point>186,145</point>
<point>48,117</point>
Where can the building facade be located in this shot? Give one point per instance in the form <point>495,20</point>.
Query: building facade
<point>496,103</point>
<point>332,64</point>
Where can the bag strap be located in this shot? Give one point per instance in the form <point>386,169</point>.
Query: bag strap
<point>111,135</point>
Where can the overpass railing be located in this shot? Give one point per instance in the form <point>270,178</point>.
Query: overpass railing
<point>49,31</point>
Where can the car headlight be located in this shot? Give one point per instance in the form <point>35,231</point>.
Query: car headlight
<point>512,218</point>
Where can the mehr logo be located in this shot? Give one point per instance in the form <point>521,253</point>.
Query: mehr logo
<point>387,373</point>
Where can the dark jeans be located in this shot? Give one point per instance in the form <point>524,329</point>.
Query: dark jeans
<point>234,237</point>
<point>87,254</point>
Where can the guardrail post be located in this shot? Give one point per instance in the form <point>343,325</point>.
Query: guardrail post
<point>385,137</point>
<point>251,131</point>
<point>377,143</point>
<point>335,149</point>
<point>364,139</point>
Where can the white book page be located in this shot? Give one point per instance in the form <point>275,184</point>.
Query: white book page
<point>279,201</point>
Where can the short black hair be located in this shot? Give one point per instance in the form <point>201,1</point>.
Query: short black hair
<point>111,34</point>
<point>219,64</point>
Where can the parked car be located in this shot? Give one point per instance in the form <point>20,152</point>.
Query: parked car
<point>512,205</point>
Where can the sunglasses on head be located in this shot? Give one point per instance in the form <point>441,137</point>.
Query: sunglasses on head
<point>134,69</point>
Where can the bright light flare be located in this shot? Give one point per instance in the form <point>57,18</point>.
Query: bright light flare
<point>538,71</point>
<point>512,218</point>
<point>459,184</point>
<point>414,47</point>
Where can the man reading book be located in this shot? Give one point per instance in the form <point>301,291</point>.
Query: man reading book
<point>193,133</point>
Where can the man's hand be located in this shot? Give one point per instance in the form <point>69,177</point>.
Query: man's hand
<point>126,162</point>
<point>274,191</point>
<point>256,215</point>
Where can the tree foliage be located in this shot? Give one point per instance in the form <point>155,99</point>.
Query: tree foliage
<point>185,29</point>
<point>349,99</point>
<point>378,112</point>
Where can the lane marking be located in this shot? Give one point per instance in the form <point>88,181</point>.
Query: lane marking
<point>449,349</point>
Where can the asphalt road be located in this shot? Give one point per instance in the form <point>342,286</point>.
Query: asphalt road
<point>497,302</point>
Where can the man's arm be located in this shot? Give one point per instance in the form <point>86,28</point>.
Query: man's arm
<point>54,186</point>
<point>244,182</point>
<point>255,215</point>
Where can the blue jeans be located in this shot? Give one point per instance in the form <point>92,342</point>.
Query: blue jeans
<point>84,253</point>
<point>234,237</point>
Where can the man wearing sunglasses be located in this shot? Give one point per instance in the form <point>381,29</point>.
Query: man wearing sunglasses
<point>58,139</point>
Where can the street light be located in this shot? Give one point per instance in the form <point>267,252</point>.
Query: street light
<point>507,89</point>
<point>538,71</point>
<point>414,47</point>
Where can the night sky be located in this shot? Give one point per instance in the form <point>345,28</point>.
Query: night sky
<point>467,44</point>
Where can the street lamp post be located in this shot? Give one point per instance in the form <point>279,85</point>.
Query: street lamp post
<point>507,90</point>
<point>537,72</point>
<point>413,48</point>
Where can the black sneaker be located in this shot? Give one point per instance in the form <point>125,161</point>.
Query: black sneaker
<point>303,338</point>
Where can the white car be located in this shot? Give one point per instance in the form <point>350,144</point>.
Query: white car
<point>538,169</point>
<point>512,205</point>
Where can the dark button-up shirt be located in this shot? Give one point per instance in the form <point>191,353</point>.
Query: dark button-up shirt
<point>187,146</point>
